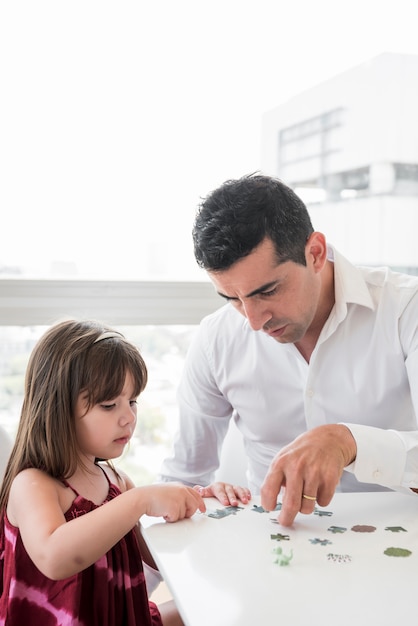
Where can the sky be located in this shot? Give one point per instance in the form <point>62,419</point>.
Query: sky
<point>116,118</point>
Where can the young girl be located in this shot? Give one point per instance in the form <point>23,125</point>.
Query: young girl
<point>69,522</point>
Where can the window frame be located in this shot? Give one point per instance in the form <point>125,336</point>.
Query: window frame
<point>27,302</point>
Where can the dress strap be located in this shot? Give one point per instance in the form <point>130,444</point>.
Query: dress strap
<point>107,477</point>
<point>67,484</point>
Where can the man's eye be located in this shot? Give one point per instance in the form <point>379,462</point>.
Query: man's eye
<point>267,294</point>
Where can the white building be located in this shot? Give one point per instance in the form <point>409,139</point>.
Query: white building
<point>349,147</point>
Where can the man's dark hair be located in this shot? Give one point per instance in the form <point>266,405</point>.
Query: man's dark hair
<point>235,218</point>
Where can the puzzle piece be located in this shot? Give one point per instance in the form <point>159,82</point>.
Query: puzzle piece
<point>337,529</point>
<point>228,510</point>
<point>395,529</point>
<point>322,542</point>
<point>322,513</point>
<point>259,509</point>
<point>363,528</point>
<point>397,552</point>
<point>339,558</point>
<point>280,537</point>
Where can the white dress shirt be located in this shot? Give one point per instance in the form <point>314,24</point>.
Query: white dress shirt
<point>363,372</point>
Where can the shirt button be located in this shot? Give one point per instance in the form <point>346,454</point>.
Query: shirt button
<point>310,392</point>
<point>376,474</point>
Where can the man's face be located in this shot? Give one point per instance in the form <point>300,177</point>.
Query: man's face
<point>282,300</point>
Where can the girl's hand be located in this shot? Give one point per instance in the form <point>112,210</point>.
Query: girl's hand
<point>172,501</point>
<point>227,494</point>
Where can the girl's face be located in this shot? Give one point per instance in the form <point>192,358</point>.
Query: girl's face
<point>104,429</point>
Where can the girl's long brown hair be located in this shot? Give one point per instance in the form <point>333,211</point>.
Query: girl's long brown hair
<point>67,360</point>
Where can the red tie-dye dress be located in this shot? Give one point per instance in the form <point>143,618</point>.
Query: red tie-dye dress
<point>111,592</point>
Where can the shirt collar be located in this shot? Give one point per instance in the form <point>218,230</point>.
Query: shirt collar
<point>350,285</point>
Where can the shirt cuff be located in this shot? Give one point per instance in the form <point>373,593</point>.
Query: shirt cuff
<point>381,456</point>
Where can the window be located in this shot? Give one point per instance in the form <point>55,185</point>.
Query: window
<point>163,348</point>
<point>160,318</point>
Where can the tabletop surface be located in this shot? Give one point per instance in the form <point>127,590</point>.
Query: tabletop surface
<point>354,561</point>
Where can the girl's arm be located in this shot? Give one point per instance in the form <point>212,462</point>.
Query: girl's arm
<point>126,483</point>
<point>60,549</point>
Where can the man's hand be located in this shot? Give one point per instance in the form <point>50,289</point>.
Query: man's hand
<point>309,469</point>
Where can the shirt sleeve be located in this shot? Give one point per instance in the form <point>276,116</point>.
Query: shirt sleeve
<point>390,457</point>
<point>381,456</point>
<point>204,415</point>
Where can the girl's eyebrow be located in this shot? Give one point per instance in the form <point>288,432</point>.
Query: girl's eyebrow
<point>265,287</point>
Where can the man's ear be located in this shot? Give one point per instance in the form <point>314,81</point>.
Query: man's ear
<point>316,251</point>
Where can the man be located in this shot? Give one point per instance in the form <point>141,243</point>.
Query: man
<point>315,360</point>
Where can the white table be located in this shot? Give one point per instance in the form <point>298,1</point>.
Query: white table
<point>221,572</point>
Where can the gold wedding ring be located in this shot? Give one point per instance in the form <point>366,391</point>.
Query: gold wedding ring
<point>308,497</point>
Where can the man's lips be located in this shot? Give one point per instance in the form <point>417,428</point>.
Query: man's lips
<point>278,332</point>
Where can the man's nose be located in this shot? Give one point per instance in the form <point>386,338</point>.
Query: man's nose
<point>256,314</point>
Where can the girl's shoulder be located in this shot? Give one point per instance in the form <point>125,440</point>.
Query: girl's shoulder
<point>29,484</point>
<point>32,477</point>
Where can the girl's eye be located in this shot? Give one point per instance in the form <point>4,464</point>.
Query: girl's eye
<point>133,403</point>
<point>107,406</point>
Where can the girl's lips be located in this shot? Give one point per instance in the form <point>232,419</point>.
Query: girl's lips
<point>122,440</point>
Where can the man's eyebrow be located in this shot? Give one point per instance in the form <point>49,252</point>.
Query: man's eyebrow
<point>266,287</point>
